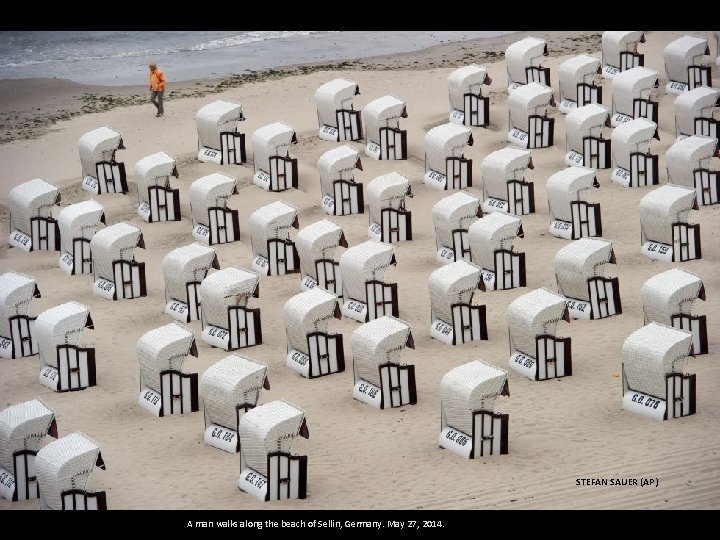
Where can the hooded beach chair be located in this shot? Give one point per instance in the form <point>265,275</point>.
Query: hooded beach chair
<point>528,122</point>
<point>665,233</point>
<point>32,227</point>
<point>653,381</point>
<point>116,273</point>
<point>275,170</point>
<point>390,221</point>
<point>523,61</point>
<point>157,199</point>
<point>585,145</point>
<point>78,223</point>
<point>576,79</point>
<point>228,322</point>
<point>619,51</point>
<point>632,162</point>
<point>213,222</point>
<point>230,388</point>
<point>184,269</point>
<point>381,380</point>
<point>312,350</point>
<point>580,275</point>
<point>268,469</point>
<point>535,350</point>
<point>452,216</point>
<point>274,254</point>
<point>454,319</point>
<point>385,139</point>
<point>63,470</point>
<point>17,327</point>
<point>164,388</point>
<point>694,112</point>
<point>64,364</point>
<point>468,106</point>
<point>491,241</point>
<point>341,195</point>
<point>101,173</point>
<point>690,163</point>
<point>571,215</point>
<point>366,295</point>
<point>316,244</point>
<point>668,298</point>
<point>22,429</point>
<point>504,186</point>
<point>218,138</point>
<point>469,425</point>
<point>683,64</point>
<point>337,118</point>
<point>445,165</point>
<point>631,96</point>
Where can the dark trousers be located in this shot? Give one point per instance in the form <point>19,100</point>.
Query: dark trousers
<point>156,98</point>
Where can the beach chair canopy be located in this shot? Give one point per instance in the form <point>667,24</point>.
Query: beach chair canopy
<point>524,53</point>
<point>565,186</point>
<point>615,42</point>
<point>22,427</point>
<point>502,165</point>
<point>682,53</point>
<point>456,211</point>
<point>534,314</point>
<point>60,325</point>
<point>164,349</point>
<point>16,292</point>
<point>98,145</point>
<point>634,83</point>
<point>307,312</point>
<point>318,241</point>
<point>491,233</point>
<point>271,221</point>
<point>333,96</point>
<point>444,141</point>
<point>530,99</point>
<point>630,137</point>
<point>454,283</point>
<point>466,80</point>
<point>382,112</point>
<point>210,191</point>
<point>579,261</point>
<point>687,155</point>
<point>468,388</point>
<point>154,170</point>
<point>233,381</point>
<point>271,427</point>
<point>576,70</point>
<point>185,265</point>
<point>663,207</point>
<point>230,286</point>
<point>670,293</point>
<point>378,342</point>
<point>34,198</point>
<point>114,243</point>
<point>386,191</point>
<point>696,103</point>
<point>585,121</point>
<point>79,220</point>
<point>364,262</point>
<point>272,140</point>
<point>215,118</point>
<point>651,353</point>
<point>337,164</point>
<point>66,464</point>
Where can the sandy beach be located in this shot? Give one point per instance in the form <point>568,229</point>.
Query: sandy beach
<point>359,457</point>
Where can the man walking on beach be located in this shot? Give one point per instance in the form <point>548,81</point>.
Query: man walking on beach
<point>157,88</point>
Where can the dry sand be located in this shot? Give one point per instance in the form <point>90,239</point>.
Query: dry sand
<point>359,457</point>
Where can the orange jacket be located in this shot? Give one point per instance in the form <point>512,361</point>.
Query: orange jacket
<point>157,80</point>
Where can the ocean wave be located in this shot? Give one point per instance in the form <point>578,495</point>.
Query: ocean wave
<point>250,37</point>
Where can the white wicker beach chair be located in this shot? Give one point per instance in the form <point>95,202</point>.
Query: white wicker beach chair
<point>571,215</point>
<point>316,244</point>
<point>689,164</point>
<point>184,269</point>
<point>101,172</point>
<point>157,200</point>
<point>491,240</point>
<point>694,112</point>
<point>452,216</point>
<point>631,96</point>
<point>576,80</point>
<point>116,273</point>
<point>390,221</point>
<point>652,367</point>
<point>268,469</point>
<point>470,427</point>
<point>385,139</point>
<point>468,106</point>
<point>528,123</point>
<point>504,186</point>
<point>445,165</point>
<point>77,224</point>
<point>584,142</point>
<point>22,429</point>
<point>341,195</point>
<point>275,170</point>
<point>523,60</point>
<point>32,227</point>
<point>274,254</point>
<point>535,350</point>
<point>337,119</point>
<point>213,222</point>
<point>218,138</point>
<point>63,470</point>
<point>17,327</point>
<point>633,163</point>
<point>380,379</point>
<point>665,233</point>
<point>619,51</point>
<point>683,64</point>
